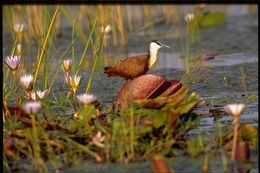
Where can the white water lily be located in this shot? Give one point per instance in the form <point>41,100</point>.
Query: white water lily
<point>32,107</point>
<point>74,82</point>
<point>98,139</point>
<point>235,109</point>
<point>18,27</point>
<point>32,95</point>
<point>86,98</point>
<point>27,82</point>
<point>13,62</point>
<point>41,94</point>
<point>107,29</point>
<point>189,17</point>
<point>66,65</point>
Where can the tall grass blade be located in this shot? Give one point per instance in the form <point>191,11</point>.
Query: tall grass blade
<point>44,46</point>
<point>86,47</point>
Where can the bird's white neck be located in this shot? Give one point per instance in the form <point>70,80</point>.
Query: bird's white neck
<point>153,50</point>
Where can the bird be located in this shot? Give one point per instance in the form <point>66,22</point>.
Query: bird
<point>135,66</point>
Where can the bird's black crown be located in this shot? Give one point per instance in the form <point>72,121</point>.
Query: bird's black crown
<point>156,41</point>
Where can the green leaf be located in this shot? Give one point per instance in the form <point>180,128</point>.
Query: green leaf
<point>212,19</point>
<point>87,111</point>
<point>159,119</point>
<point>188,104</point>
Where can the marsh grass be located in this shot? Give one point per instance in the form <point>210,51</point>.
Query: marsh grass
<point>44,46</point>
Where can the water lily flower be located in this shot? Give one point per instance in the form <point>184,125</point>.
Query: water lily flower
<point>86,98</point>
<point>41,94</point>
<point>32,95</point>
<point>13,62</point>
<point>107,29</point>
<point>18,27</point>
<point>74,82</point>
<point>189,17</point>
<point>27,82</point>
<point>98,139</point>
<point>235,110</point>
<point>66,65</point>
<point>32,107</point>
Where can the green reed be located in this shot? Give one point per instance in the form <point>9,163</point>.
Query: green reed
<point>86,46</point>
<point>97,53</point>
<point>44,46</point>
<point>78,28</point>
<point>73,47</point>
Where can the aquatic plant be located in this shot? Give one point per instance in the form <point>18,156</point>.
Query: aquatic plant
<point>27,82</point>
<point>86,98</point>
<point>32,108</point>
<point>66,65</point>
<point>12,63</point>
<point>235,110</point>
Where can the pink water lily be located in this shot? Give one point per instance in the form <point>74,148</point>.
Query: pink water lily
<point>32,107</point>
<point>98,139</point>
<point>13,62</point>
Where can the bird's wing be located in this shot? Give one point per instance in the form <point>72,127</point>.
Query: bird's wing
<point>132,65</point>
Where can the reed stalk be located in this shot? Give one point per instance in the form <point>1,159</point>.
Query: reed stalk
<point>97,52</point>
<point>88,88</point>
<point>187,51</point>
<point>114,33</point>
<point>121,27</point>
<point>44,46</point>
<point>132,133</point>
<point>14,46</point>
<point>77,27</point>
<point>129,18</point>
<point>40,166</point>
<point>86,46</point>
<point>58,24</point>
<point>46,67</point>
<point>72,46</point>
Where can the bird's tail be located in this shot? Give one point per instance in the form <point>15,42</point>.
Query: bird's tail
<point>108,71</point>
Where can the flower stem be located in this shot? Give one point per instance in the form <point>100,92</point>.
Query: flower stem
<point>17,98</point>
<point>235,137</point>
<point>187,53</point>
<point>35,144</point>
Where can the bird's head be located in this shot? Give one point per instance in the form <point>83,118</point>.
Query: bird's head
<point>153,49</point>
<point>156,45</point>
